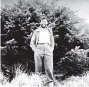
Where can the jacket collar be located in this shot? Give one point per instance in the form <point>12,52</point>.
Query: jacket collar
<point>39,28</point>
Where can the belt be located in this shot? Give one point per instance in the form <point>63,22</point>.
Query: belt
<point>43,43</point>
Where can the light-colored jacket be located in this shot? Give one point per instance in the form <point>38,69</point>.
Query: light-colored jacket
<point>35,37</point>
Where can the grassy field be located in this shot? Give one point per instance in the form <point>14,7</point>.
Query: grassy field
<point>34,80</point>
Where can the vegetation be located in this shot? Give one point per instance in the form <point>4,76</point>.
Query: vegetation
<point>36,80</point>
<point>19,22</point>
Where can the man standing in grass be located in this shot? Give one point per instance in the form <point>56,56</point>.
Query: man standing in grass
<point>42,43</point>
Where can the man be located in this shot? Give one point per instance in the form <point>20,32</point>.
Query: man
<point>42,43</point>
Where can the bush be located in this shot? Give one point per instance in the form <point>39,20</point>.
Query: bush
<point>75,62</point>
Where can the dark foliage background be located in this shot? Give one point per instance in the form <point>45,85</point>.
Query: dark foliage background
<point>18,22</point>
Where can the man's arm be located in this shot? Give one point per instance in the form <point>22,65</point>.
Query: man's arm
<point>52,40</point>
<point>33,42</point>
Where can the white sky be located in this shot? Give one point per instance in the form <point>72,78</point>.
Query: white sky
<point>81,7</point>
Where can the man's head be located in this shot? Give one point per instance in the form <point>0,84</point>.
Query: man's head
<point>43,22</point>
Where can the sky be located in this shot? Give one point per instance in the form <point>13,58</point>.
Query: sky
<point>81,7</point>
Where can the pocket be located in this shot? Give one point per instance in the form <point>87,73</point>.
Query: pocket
<point>37,48</point>
<point>49,48</point>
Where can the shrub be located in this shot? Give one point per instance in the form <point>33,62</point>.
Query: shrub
<point>75,62</point>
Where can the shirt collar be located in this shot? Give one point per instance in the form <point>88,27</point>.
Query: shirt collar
<point>40,28</point>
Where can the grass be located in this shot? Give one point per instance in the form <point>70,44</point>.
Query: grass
<point>36,80</point>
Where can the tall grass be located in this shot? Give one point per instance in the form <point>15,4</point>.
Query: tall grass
<point>22,79</point>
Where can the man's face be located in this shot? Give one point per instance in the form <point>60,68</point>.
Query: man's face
<point>44,23</point>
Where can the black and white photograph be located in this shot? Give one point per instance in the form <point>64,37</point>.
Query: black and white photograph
<point>44,43</point>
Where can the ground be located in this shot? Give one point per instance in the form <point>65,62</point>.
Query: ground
<point>35,80</point>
